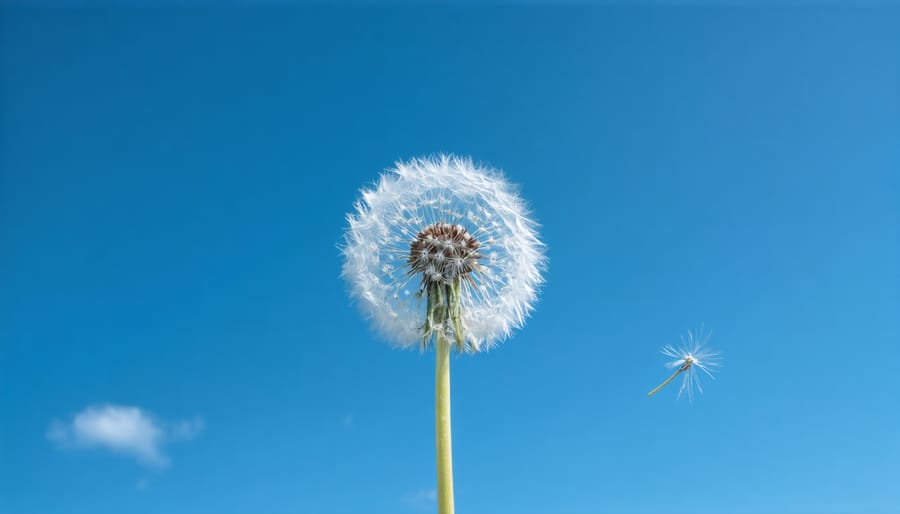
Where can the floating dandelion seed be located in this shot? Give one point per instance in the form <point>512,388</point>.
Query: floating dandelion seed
<point>443,250</point>
<point>693,354</point>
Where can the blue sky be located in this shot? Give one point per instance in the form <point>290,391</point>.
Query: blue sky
<point>173,187</point>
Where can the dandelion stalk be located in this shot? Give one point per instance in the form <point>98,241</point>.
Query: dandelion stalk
<point>443,307</point>
<point>443,444</point>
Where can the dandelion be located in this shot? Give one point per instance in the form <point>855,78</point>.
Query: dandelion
<point>442,251</point>
<point>693,354</point>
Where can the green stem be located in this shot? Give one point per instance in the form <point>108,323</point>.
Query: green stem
<point>666,382</point>
<point>455,309</point>
<point>442,426</point>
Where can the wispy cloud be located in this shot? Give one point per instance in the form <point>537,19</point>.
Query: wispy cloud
<point>424,499</point>
<point>187,430</point>
<point>123,429</point>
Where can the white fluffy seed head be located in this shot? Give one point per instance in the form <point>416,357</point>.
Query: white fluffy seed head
<point>437,219</point>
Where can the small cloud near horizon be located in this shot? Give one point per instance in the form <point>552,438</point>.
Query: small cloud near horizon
<point>187,430</point>
<point>123,429</point>
<point>423,499</point>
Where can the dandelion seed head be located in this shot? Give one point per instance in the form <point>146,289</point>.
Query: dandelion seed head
<point>436,220</point>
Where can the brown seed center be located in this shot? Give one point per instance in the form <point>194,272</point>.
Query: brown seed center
<point>443,252</point>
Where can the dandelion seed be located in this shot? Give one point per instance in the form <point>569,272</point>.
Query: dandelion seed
<point>692,355</point>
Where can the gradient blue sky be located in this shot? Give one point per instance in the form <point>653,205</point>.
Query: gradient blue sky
<point>173,186</point>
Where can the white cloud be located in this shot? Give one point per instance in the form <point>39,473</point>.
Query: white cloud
<point>122,429</point>
<point>424,499</point>
<point>187,430</point>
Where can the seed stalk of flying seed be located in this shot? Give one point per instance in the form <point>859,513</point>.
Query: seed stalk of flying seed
<point>681,369</point>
